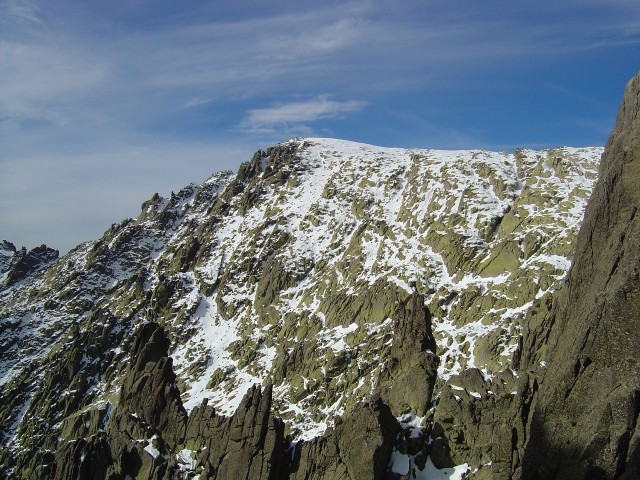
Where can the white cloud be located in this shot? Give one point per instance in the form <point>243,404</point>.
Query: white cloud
<point>196,102</point>
<point>296,113</point>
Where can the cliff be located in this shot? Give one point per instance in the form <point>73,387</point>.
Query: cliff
<point>584,424</point>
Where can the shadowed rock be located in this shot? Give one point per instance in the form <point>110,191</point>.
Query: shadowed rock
<point>150,426</point>
<point>359,448</point>
<point>17,265</point>
<point>585,423</point>
<point>483,422</point>
<point>150,400</point>
<point>248,445</point>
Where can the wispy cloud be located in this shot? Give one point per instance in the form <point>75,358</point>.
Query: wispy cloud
<point>13,10</point>
<point>295,115</point>
<point>196,102</point>
<point>48,82</point>
<point>58,71</point>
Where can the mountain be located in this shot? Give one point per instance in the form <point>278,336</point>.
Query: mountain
<point>335,310</point>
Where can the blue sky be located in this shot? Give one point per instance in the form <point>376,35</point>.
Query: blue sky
<point>103,103</point>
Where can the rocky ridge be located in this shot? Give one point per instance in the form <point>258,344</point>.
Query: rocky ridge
<point>17,265</point>
<point>364,288</point>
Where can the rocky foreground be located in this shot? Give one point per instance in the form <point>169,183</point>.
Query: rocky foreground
<point>341,311</point>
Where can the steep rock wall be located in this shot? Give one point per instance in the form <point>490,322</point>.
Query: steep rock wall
<point>584,424</point>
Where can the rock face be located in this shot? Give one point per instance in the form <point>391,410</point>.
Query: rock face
<point>248,445</point>
<point>151,436</point>
<point>16,265</point>
<point>149,409</point>
<point>149,392</point>
<point>585,421</point>
<point>359,448</point>
<point>483,422</point>
<point>411,369</point>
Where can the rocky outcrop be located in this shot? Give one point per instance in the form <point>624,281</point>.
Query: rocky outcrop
<point>16,265</point>
<point>411,369</point>
<point>366,438</point>
<point>149,392</point>
<point>483,421</point>
<point>359,448</point>
<point>585,422</point>
<point>83,460</point>
<point>149,416</point>
<point>248,445</point>
<point>149,434</point>
<point>318,459</point>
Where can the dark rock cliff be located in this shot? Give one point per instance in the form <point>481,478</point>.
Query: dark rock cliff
<point>585,421</point>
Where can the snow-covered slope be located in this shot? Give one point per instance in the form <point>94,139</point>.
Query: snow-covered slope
<point>290,273</point>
